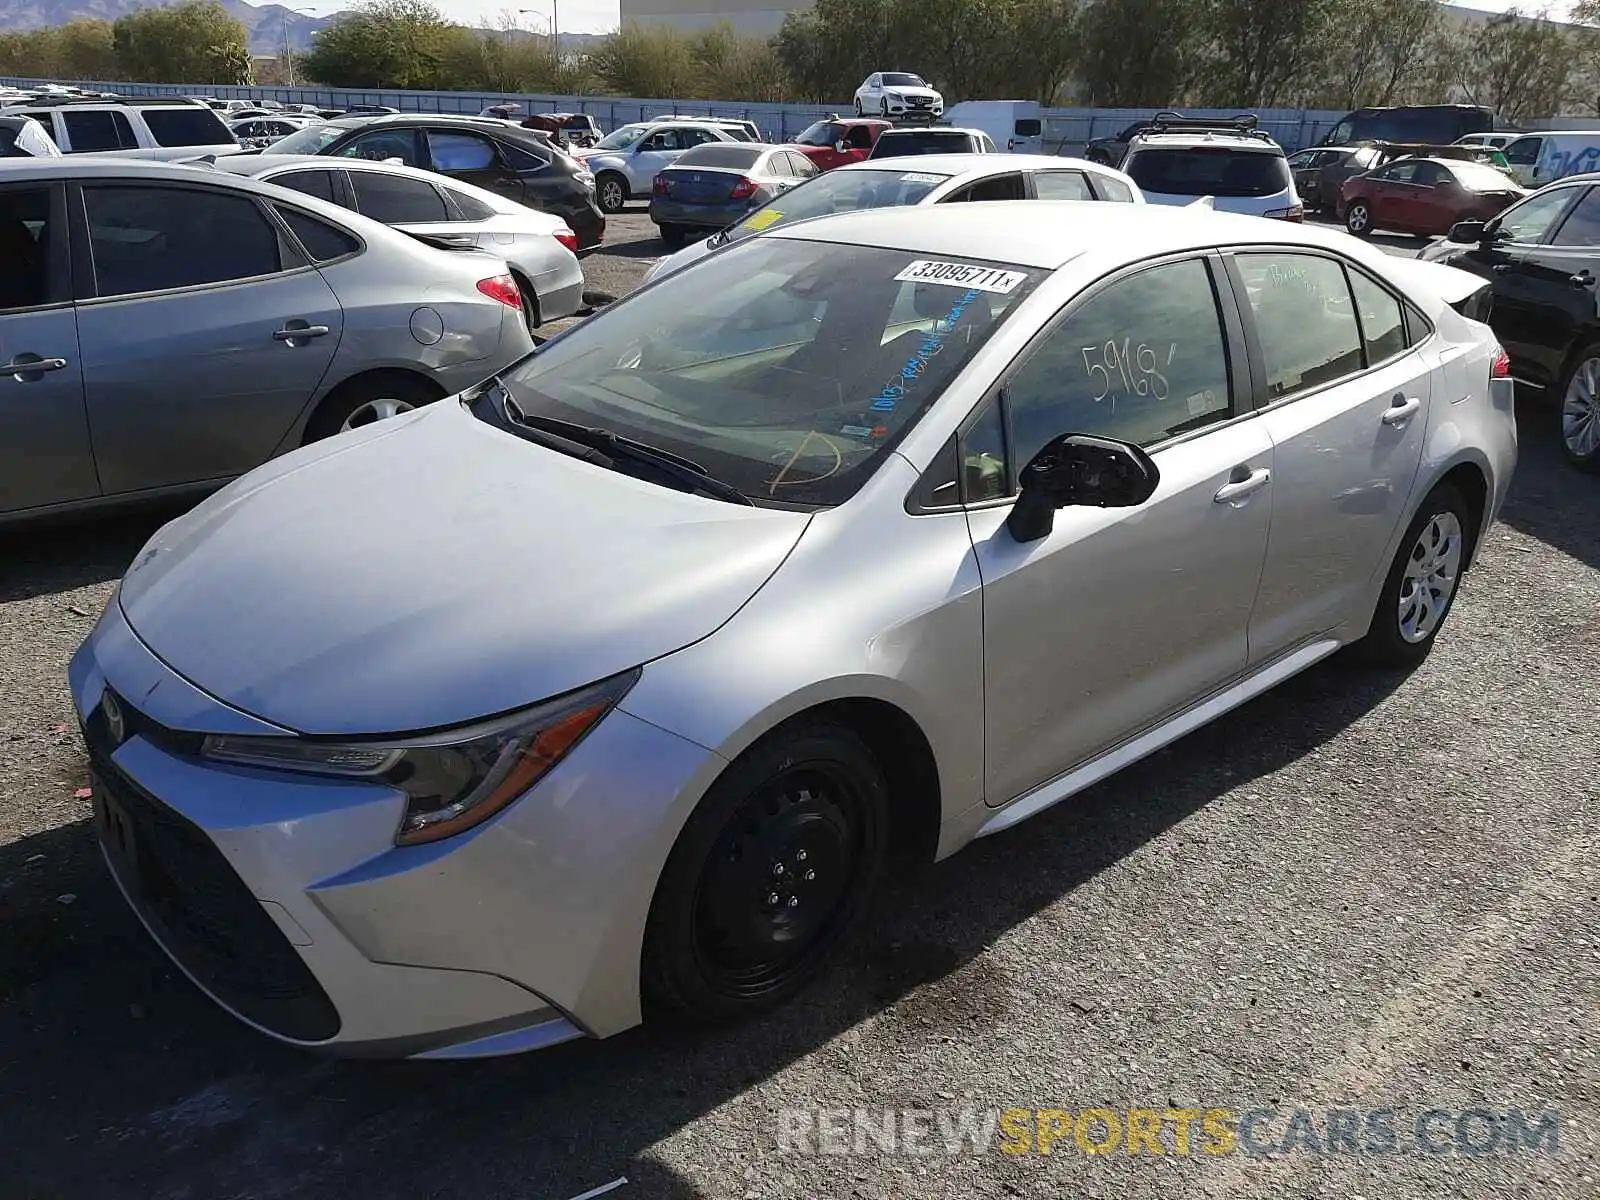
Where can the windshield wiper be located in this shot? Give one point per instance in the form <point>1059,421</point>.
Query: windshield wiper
<point>605,447</point>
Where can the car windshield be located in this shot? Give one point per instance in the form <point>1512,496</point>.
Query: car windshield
<point>1480,177</point>
<point>787,368</point>
<point>823,133</point>
<point>901,79</point>
<point>737,156</point>
<point>1204,171</point>
<point>621,139</point>
<point>313,139</point>
<point>839,191</point>
<point>897,144</point>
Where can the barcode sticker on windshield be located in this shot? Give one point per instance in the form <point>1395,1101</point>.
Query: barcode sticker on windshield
<point>961,275</point>
<point>922,177</point>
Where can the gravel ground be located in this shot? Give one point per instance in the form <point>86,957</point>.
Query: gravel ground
<point>1366,890</point>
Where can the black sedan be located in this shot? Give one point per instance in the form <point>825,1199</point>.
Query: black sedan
<point>1320,173</point>
<point>501,157</point>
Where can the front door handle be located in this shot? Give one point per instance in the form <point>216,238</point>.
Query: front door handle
<point>293,333</point>
<point>1581,280</point>
<point>31,364</point>
<point>1502,268</point>
<point>1241,489</point>
<point>1401,410</point>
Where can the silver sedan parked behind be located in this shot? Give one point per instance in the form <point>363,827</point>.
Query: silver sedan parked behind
<point>540,249</point>
<point>165,328</point>
<point>608,687</point>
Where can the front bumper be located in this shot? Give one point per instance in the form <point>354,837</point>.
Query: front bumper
<point>899,106</point>
<point>284,898</point>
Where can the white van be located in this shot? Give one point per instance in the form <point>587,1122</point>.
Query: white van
<point>1015,126</point>
<point>1538,158</point>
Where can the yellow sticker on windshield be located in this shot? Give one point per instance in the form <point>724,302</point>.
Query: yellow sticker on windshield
<point>764,219</point>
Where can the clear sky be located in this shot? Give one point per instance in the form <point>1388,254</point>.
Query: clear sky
<point>597,16</point>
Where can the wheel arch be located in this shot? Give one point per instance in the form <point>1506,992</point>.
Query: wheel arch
<point>335,394</point>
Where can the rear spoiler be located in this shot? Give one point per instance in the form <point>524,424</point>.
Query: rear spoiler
<point>1470,295</point>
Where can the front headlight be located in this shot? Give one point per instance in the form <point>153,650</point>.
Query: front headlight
<point>453,780</point>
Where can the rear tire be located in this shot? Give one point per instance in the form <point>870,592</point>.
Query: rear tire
<point>673,236</point>
<point>368,398</point>
<point>1580,409</point>
<point>1423,581</point>
<point>768,878</point>
<point>1358,218</point>
<point>611,192</point>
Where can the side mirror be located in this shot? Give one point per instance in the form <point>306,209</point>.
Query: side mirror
<point>1079,469</point>
<point>840,147</point>
<point>1468,231</point>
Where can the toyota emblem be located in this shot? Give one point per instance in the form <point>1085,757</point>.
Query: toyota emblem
<point>116,723</point>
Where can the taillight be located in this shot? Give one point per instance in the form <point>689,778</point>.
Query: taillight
<point>502,288</point>
<point>568,239</point>
<point>1502,364</point>
<point>743,190</point>
<point>1295,213</point>
<point>659,185</point>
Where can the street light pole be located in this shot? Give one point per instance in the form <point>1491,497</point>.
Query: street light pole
<point>288,54</point>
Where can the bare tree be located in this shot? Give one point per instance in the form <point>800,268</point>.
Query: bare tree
<point>1521,67</point>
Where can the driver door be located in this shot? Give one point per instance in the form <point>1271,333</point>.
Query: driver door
<point>1119,617</point>
<point>653,154</point>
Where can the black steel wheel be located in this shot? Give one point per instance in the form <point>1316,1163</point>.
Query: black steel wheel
<point>768,877</point>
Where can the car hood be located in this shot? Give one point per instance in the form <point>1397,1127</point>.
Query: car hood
<point>434,573</point>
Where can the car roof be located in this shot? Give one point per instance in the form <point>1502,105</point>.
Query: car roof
<point>1222,140</point>
<point>921,129</point>
<point>956,165</point>
<point>79,166</point>
<point>1048,233</point>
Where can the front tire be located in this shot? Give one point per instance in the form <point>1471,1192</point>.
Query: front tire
<point>859,113</point>
<point>883,109</point>
<point>1358,218</point>
<point>768,878</point>
<point>610,192</point>
<point>1423,581</point>
<point>1580,410</point>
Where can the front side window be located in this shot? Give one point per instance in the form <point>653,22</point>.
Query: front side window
<point>665,139</point>
<point>788,368</point>
<point>1304,318</point>
<point>460,152</point>
<point>380,147</point>
<point>1535,217</point>
<point>1344,131</point>
<point>1524,152</point>
<point>621,139</point>
<point>24,246</point>
<point>96,132</point>
<point>836,192</point>
<point>313,139</point>
<point>1400,173</point>
<point>1142,360</point>
<point>152,239</point>
<point>396,200</point>
<point>188,127</point>
<point>822,133</point>
<point>1061,185</point>
<point>1582,226</point>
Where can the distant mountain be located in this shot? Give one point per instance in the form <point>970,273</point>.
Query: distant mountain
<point>266,22</point>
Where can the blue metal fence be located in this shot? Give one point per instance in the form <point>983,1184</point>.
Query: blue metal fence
<point>1066,129</point>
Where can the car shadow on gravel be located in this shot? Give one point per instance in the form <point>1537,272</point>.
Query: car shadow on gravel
<point>1551,500</point>
<point>67,553</point>
<point>119,1079</point>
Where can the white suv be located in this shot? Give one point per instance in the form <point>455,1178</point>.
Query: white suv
<point>166,128</point>
<point>1181,159</point>
<point>626,160</point>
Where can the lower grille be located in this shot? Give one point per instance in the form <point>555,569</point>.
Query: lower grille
<point>201,911</point>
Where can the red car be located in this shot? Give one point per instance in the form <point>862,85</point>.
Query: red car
<point>1424,196</point>
<point>840,140</point>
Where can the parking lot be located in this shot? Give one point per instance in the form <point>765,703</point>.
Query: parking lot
<point>1365,890</point>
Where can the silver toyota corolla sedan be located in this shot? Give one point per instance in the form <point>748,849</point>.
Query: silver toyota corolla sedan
<point>540,249</point>
<point>606,687</point>
<point>167,328</point>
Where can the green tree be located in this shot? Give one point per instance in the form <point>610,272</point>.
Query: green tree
<point>87,50</point>
<point>1520,67</point>
<point>192,42</point>
<point>1374,49</point>
<point>1259,50</point>
<point>1138,53</point>
<point>386,43</point>
<point>646,61</point>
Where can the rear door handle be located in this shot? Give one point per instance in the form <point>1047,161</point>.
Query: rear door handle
<point>295,333</point>
<point>1240,489</point>
<point>1502,268</point>
<point>1401,410</point>
<point>27,365</point>
<point>1582,280</point>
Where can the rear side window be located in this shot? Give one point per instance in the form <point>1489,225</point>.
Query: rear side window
<point>1112,188</point>
<point>186,127</point>
<point>150,239</point>
<point>1061,185</point>
<point>96,132</point>
<point>470,207</point>
<point>312,183</point>
<point>461,152</point>
<point>1203,171</point>
<point>1383,324</point>
<point>1582,226</point>
<point>1304,318</point>
<point>322,241</point>
<point>1000,187</point>
<point>395,200</point>
<point>521,159</point>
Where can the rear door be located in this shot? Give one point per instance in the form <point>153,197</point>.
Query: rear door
<point>1060,185</point>
<point>1345,401</point>
<point>653,153</point>
<point>96,131</point>
<point>204,334</point>
<point>472,158</point>
<point>1438,196</point>
<point>45,453</point>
